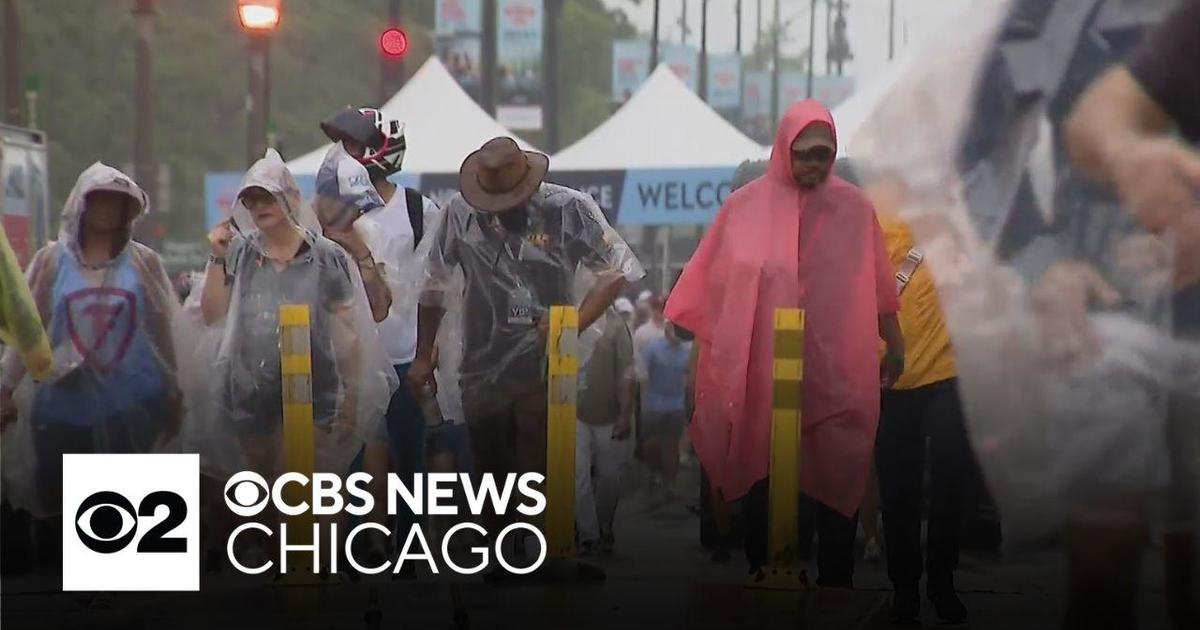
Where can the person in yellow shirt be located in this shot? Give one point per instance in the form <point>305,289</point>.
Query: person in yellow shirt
<point>922,407</point>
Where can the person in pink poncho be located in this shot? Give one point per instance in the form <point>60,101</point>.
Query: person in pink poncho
<point>798,236</point>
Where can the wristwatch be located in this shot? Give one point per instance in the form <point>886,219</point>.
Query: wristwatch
<point>213,259</point>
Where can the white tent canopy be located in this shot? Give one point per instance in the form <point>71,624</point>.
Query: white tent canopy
<point>442,124</point>
<point>664,125</point>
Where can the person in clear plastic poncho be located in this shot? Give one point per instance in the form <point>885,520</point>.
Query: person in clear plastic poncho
<point>1078,388</point>
<point>109,309</point>
<point>268,255</point>
<point>519,244</point>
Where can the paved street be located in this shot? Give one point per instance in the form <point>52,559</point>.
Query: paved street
<point>659,577</point>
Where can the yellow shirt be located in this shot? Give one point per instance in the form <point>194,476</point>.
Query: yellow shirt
<point>928,357</point>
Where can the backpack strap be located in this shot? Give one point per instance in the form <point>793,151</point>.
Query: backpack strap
<point>416,213</point>
<point>911,261</point>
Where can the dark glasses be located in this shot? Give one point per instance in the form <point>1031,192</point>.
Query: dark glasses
<point>814,154</point>
<point>252,198</point>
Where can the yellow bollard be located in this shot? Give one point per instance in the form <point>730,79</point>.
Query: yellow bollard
<point>295,361</point>
<point>560,432</point>
<point>783,534</point>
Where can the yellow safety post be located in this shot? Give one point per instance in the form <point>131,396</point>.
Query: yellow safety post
<point>295,361</point>
<point>783,534</point>
<point>560,432</point>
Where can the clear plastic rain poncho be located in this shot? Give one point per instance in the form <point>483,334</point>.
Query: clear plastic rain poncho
<point>113,386</point>
<point>1078,405</point>
<point>511,276</point>
<point>352,382</point>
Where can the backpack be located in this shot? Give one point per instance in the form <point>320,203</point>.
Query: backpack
<point>416,213</point>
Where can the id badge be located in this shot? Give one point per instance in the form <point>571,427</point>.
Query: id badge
<point>520,307</point>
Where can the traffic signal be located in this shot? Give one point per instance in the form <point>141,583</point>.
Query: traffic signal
<point>393,42</point>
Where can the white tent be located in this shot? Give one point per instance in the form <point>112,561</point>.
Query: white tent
<point>664,125</point>
<point>442,124</point>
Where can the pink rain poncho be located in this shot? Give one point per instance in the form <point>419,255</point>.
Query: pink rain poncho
<point>774,245</point>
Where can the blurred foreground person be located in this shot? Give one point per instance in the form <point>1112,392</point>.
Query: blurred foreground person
<point>796,237</point>
<point>109,308</point>
<point>603,442</point>
<point>519,244</point>
<point>1059,303</point>
<point>269,255</point>
<point>1135,129</point>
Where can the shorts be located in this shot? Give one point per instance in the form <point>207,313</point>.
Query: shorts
<point>663,424</point>
<point>508,432</point>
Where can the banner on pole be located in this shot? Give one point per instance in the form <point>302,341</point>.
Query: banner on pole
<point>724,82</point>
<point>458,41</point>
<point>831,91</point>
<point>630,66</point>
<point>683,60</point>
<point>519,43</point>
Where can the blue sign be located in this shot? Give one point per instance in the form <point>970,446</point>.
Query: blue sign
<point>683,60</point>
<point>455,17</point>
<point>682,196</point>
<point>757,97</point>
<point>630,66</point>
<point>725,81</point>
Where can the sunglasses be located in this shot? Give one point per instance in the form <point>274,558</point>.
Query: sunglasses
<point>251,199</point>
<point>813,154</point>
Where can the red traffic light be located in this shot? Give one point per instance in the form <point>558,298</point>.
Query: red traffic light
<point>393,42</point>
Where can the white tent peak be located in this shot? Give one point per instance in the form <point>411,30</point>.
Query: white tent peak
<point>442,124</point>
<point>663,125</point>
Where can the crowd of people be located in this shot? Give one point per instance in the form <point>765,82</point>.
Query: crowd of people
<point>429,329</point>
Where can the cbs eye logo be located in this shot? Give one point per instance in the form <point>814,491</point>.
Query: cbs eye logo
<point>136,522</point>
<point>246,493</point>
<point>106,522</point>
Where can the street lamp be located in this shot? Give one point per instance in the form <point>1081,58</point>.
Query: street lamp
<point>260,16</point>
<point>259,19</point>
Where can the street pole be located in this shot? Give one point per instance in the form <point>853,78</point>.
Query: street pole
<point>703,50</point>
<point>259,78</point>
<point>13,81</point>
<point>391,69</point>
<point>683,24</point>
<point>891,29</point>
<point>488,55</point>
<point>550,70</point>
<point>778,32</point>
<point>758,33</point>
<point>843,45</point>
<point>145,164</point>
<point>828,36</point>
<point>738,25</point>
<point>812,47</point>
<point>654,38</point>
<point>650,232</point>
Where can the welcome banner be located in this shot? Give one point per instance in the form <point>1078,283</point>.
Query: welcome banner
<point>677,196</point>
